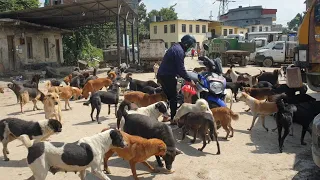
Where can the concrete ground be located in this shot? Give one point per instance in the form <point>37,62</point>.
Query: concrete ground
<point>248,155</point>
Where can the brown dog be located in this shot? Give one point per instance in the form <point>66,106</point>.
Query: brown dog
<point>138,151</point>
<point>259,93</point>
<point>142,99</point>
<point>65,94</point>
<point>67,79</point>
<point>1,90</point>
<point>258,108</point>
<point>33,94</point>
<point>52,106</point>
<point>223,115</point>
<point>76,93</point>
<point>95,85</point>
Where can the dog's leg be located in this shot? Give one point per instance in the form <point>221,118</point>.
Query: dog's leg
<point>264,123</point>
<point>286,132</point>
<point>230,127</point>
<point>203,135</point>
<point>195,133</point>
<point>184,132</point>
<point>160,164</point>
<point>109,108</point>
<point>152,169</point>
<point>5,149</point>
<point>105,161</point>
<point>133,169</point>
<point>115,109</point>
<point>92,110</point>
<point>98,112</point>
<point>65,105</point>
<point>69,104</point>
<point>82,175</point>
<point>225,127</point>
<point>96,170</point>
<point>255,116</point>
<point>291,133</point>
<point>303,133</point>
<point>279,127</point>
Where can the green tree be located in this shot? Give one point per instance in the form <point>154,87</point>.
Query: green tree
<point>295,22</point>
<point>16,5</point>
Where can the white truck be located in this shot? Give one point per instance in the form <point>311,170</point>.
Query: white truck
<point>277,52</point>
<point>151,51</point>
<point>260,43</point>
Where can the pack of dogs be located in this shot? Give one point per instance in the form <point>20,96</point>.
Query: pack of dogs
<point>139,133</point>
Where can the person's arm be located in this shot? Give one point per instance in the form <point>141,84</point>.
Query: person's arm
<point>179,58</point>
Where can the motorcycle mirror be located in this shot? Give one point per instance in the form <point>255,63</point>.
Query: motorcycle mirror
<point>201,89</point>
<point>206,47</point>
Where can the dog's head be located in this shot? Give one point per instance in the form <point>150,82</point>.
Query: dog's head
<point>170,156</point>
<point>162,107</point>
<point>202,104</point>
<point>55,125</point>
<point>243,96</point>
<point>117,139</point>
<point>1,90</point>
<point>53,98</point>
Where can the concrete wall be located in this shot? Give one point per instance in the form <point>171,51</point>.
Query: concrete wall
<point>21,49</point>
<point>176,37</point>
<point>248,22</point>
<point>257,28</point>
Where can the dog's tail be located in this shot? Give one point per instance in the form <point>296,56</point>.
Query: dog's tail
<point>25,140</point>
<point>234,116</point>
<point>122,111</point>
<point>89,101</point>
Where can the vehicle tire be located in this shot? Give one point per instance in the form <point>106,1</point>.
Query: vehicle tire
<point>267,62</point>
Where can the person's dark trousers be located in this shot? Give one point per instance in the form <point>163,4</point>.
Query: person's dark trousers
<point>169,86</point>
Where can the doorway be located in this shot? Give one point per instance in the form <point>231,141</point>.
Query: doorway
<point>58,51</point>
<point>11,53</point>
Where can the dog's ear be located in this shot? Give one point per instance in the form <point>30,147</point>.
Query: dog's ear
<point>178,151</point>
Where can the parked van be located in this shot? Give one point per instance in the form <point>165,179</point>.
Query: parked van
<point>277,52</point>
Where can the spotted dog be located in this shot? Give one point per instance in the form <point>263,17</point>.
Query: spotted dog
<point>75,157</point>
<point>12,128</point>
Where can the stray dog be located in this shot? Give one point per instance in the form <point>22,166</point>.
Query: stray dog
<point>259,93</point>
<point>65,94</point>
<point>142,99</point>
<point>235,87</point>
<point>12,128</point>
<point>52,106</point>
<point>107,97</point>
<point>271,77</point>
<point>71,157</point>
<point>34,83</point>
<point>33,94</point>
<point>200,106</point>
<point>95,85</point>
<point>155,70</point>
<point>76,93</point>
<point>243,77</point>
<point>154,111</point>
<point>138,151</point>
<point>67,79</point>
<point>137,85</point>
<point>1,90</point>
<point>146,127</point>
<point>284,119</point>
<point>124,83</point>
<point>228,97</point>
<point>151,90</point>
<point>263,84</point>
<point>283,88</point>
<point>258,108</point>
<point>199,122</point>
<point>16,89</point>
<point>121,110</point>
<point>223,116</point>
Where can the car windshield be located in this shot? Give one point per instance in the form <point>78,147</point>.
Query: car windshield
<point>269,46</point>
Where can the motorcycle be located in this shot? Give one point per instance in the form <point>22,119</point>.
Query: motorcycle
<point>210,85</point>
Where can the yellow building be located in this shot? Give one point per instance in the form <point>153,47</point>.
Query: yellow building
<point>172,31</point>
<point>217,29</point>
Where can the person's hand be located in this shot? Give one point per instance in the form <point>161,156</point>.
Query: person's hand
<point>192,83</point>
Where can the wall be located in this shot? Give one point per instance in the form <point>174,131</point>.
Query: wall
<point>21,49</point>
<point>256,29</point>
<point>220,28</point>
<point>247,22</point>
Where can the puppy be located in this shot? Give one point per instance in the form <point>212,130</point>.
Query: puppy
<point>71,157</point>
<point>138,151</point>
<point>12,128</point>
<point>284,119</point>
<point>223,116</point>
<point>76,93</point>
<point>199,122</point>
<point>142,99</point>
<point>1,90</point>
<point>200,106</point>
<point>52,106</point>
<point>258,108</point>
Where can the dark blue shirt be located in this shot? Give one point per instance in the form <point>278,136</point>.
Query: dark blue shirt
<point>173,63</point>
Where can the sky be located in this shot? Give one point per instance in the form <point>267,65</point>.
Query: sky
<point>200,9</point>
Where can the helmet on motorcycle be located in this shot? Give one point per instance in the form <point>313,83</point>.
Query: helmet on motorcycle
<point>188,41</point>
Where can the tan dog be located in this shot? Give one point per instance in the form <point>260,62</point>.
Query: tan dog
<point>224,115</point>
<point>138,151</point>
<point>1,90</point>
<point>65,94</point>
<point>27,94</point>
<point>155,69</point>
<point>76,93</point>
<point>258,108</point>
<point>95,85</point>
<point>67,79</point>
<point>142,99</point>
<point>52,106</point>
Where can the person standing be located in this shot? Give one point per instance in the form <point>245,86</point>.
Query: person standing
<point>172,66</point>
<point>192,53</point>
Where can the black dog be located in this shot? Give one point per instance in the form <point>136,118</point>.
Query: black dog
<point>78,81</point>
<point>263,84</point>
<point>283,88</point>
<point>55,82</point>
<point>107,97</point>
<point>137,85</point>
<point>34,83</point>
<point>151,90</point>
<point>284,119</point>
<point>235,87</point>
<point>15,87</point>
<point>144,126</point>
<point>93,77</point>
<point>121,110</point>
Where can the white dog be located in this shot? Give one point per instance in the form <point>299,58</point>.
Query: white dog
<point>155,69</point>
<point>201,105</point>
<point>71,157</point>
<point>228,97</point>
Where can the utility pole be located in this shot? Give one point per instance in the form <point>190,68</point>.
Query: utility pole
<point>210,17</point>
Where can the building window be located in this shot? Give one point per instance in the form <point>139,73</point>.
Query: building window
<point>266,28</point>
<point>165,29</point>
<point>225,32</point>
<point>260,28</point>
<point>166,45</point>
<point>29,48</point>
<point>253,29</point>
<point>204,28</point>
<point>230,31</point>
<point>172,28</point>
<point>197,28</point>
<point>46,47</point>
<point>190,28</point>
<point>184,28</point>
<point>248,30</point>
<point>155,29</point>
<point>172,43</point>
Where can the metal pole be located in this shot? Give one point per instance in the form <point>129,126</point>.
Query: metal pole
<point>138,47</point>
<point>132,41</point>
<point>125,39</point>
<point>118,33</point>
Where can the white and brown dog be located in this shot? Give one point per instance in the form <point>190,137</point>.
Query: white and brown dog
<point>201,105</point>
<point>12,128</point>
<point>52,106</point>
<point>71,157</point>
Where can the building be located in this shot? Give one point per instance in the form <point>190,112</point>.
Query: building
<point>217,29</point>
<point>248,16</point>
<point>276,27</point>
<point>259,28</point>
<point>172,31</point>
<point>23,43</point>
